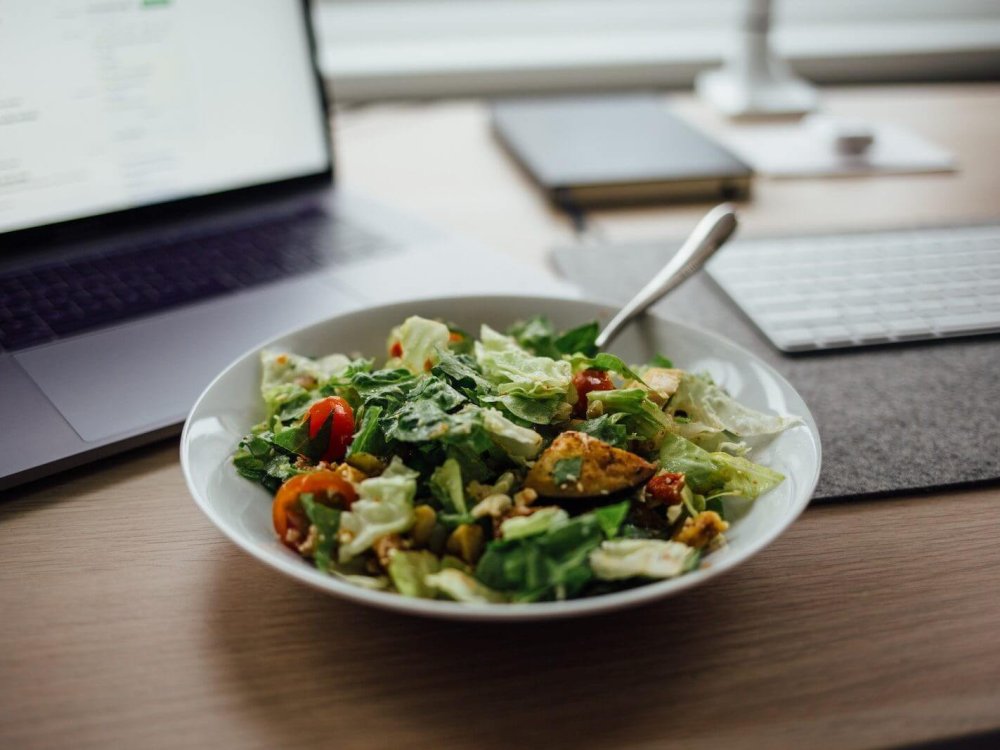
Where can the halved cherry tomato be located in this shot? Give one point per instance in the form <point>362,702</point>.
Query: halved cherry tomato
<point>327,488</point>
<point>341,414</point>
<point>586,381</point>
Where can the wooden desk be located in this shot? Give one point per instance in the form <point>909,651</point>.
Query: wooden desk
<point>127,620</point>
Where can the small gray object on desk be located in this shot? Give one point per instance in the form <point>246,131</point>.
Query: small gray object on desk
<point>892,419</point>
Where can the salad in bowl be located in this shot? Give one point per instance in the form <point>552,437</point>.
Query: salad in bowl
<point>502,467</point>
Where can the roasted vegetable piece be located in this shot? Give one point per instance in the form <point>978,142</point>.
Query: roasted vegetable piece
<point>423,525</point>
<point>665,489</point>
<point>578,465</point>
<point>466,542</point>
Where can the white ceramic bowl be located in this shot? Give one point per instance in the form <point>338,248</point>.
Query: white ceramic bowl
<point>231,405</point>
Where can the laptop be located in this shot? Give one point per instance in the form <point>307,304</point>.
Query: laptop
<point>167,202</point>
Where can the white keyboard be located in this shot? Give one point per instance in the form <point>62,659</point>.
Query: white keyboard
<point>832,291</point>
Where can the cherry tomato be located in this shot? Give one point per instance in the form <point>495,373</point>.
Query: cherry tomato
<point>327,487</point>
<point>341,428</point>
<point>586,381</point>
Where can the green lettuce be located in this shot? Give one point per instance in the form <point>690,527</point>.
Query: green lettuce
<point>539,522</point>
<point>517,373</point>
<point>643,417</point>
<point>606,362</point>
<point>461,587</point>
<point>368,438</point>
<point>620,559</point>
<point>539,337</point>
<point>609,428</point>
<point>408,572</point>
<point>713,474</point>
<point>553,564</point>
<point>287,379</point>
<point>258,460</point>
<point>519,443</point>
<point>462,373</point>
<point>327,522</point>
<point>384,506</point>
<point>446,484</point>
<point>712,410</point>
<point>421,341</point>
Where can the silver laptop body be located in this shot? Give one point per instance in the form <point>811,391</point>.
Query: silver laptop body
<point>166,170</point>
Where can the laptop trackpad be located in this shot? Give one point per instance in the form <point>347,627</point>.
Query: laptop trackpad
<point>148,373</point>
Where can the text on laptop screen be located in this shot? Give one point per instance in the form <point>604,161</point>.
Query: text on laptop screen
<point>112,104</point>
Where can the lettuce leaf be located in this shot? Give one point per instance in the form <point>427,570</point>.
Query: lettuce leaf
<point>647,558</point>
<point>387,388</point>
<point>708,405</point>
<point>548,565</point>
<point>384,506</point>
<point>606,362</point>
<point>517,372</point>
<point>643,417</point>
<point>368,438</point>
<point>461,587</point>
<point>421,341</point>
<point>533,410</point>
<point>287,379</point>
<point>609,428</point>
<point>539,337</point>
<point>519,443</point>
<point>327,522</point>
<point>462,373</point>
<point>712,474</point>
<point>258,460</point>
<point>539,522</point>
<point>408,572</point>
<point>446,484</point>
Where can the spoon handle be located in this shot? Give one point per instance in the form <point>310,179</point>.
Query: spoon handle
<point>709,235</point>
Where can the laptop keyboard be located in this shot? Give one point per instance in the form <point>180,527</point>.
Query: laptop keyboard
<point>51,301</point>
<point>823,292</point>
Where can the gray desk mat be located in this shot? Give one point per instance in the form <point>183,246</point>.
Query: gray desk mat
<point>892,419</point>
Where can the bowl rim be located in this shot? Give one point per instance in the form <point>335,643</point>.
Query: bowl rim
<point>300,570</point>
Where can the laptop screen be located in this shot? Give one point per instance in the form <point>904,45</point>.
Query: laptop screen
<point>114,104</point>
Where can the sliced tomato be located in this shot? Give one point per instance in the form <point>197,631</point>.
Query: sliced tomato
<point>327,487</point>
<point>341,415</point>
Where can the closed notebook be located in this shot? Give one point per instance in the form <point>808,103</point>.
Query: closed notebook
<point>603,150</point>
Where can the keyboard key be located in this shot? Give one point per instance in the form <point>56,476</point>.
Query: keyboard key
<point>794,339</point>
<point>872,332</point>
<point>868,288</point>
<point>909,328</point>
<point>836,335</point>
<point>974,323</point>
<point>64,298</point>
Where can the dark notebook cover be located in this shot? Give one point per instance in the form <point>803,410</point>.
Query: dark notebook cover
<point>605,147</point>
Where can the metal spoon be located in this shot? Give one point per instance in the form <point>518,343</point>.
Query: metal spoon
<point>709,235</point>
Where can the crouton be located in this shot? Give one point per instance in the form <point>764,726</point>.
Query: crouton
<point>663,383</point>
<point>699,531</point>
<point>578,465</point>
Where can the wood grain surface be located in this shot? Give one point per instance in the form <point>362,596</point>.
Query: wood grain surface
<point>127,620</point>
